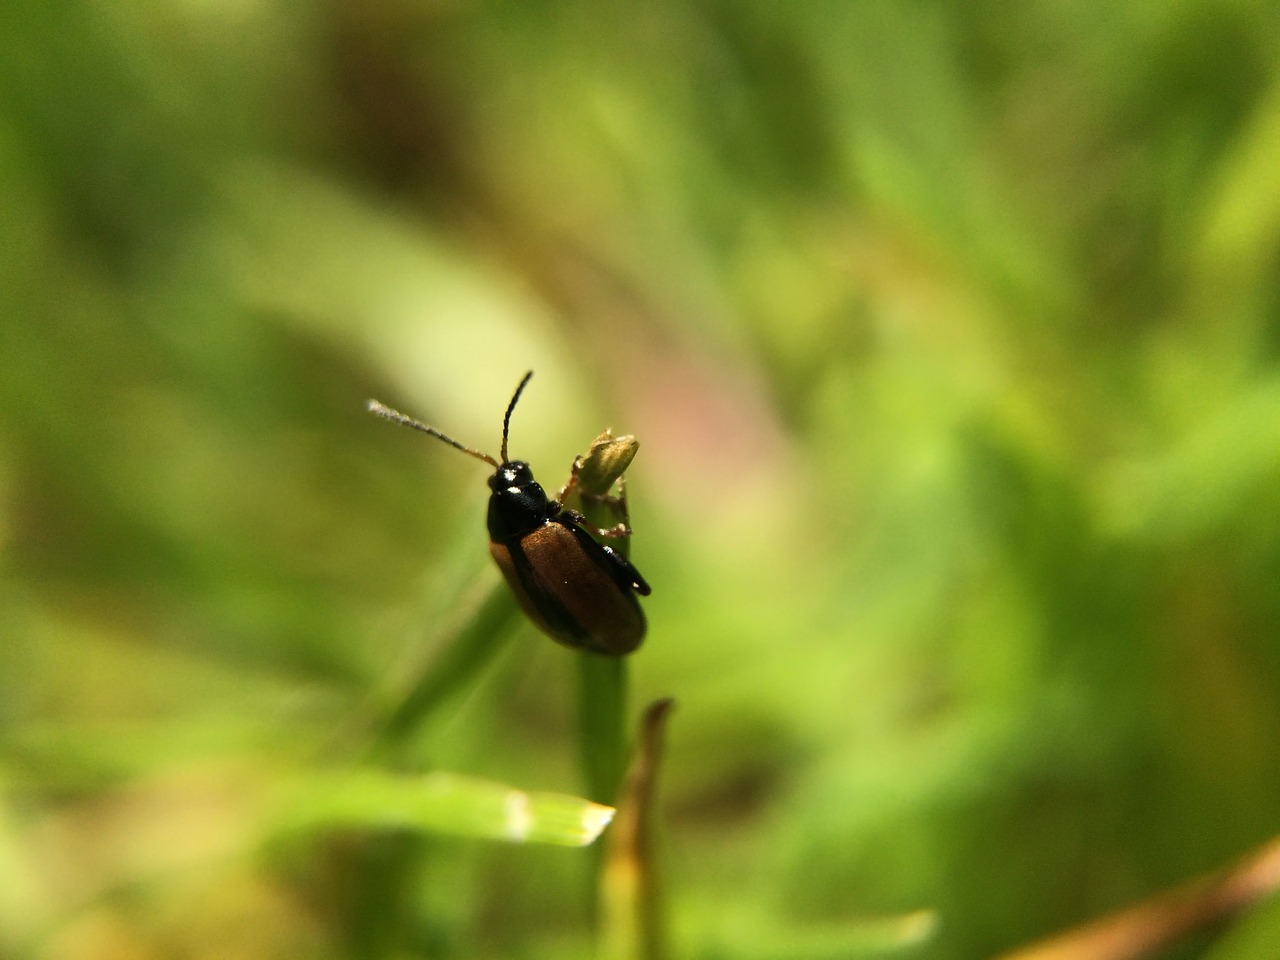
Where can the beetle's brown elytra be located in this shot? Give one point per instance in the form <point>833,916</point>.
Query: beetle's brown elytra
<point>578,591</point>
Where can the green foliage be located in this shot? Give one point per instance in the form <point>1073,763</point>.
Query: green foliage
<point>439,803</point>
<point>951,336</point>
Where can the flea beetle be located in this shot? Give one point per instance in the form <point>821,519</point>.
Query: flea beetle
<point>578,591</point>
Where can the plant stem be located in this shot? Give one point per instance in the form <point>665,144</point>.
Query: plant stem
<point>631,915</point>
<point>602,712</point>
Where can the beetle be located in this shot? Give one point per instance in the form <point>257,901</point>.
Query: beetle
<point>578,591</point>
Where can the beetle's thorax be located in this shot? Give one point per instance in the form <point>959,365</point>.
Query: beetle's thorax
<point>518,504</point>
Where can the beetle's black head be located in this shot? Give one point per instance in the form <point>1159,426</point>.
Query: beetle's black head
<point>518,503</point>
<point>512,474</point>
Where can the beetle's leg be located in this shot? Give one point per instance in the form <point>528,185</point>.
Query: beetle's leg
<point>616,504</point>
<point>572,483</point>
<point>618,530</point>
<point>623,512</point>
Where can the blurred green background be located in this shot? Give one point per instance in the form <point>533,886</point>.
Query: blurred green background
<point>951,335</point>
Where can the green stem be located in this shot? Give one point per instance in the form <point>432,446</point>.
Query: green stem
<point>602,681</point>
<point>602,720</point>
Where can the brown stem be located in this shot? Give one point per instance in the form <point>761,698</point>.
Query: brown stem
<point>1166,918</point>
<point>631,922</point>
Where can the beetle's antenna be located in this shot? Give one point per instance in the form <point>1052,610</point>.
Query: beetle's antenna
<point>395,416</point>
<point>506,420</point>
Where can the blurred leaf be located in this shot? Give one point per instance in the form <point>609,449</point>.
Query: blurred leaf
<point>443,803</point>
